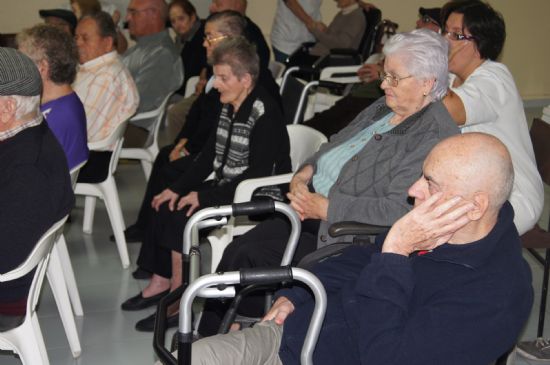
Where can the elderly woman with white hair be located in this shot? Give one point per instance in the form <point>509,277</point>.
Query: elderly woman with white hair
<point>364,172</point>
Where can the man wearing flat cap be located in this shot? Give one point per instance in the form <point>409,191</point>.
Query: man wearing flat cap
<point>35,185</point>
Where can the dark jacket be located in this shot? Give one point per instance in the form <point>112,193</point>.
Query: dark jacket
<point>36,192</point>
<point>459,304</point>
<point>193,55</point>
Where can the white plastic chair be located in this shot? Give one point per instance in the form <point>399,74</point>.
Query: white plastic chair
<point>146,155</point>
<point>304,142</point>
<point>277,69</point>
<point>190,86</point>
<point>26,339</point>
<point>63,283</point>
<point>107,191</point>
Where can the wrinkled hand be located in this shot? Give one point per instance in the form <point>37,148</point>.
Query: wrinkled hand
<point>166,196</point>
<point>279,311</point>
<point>191,199</point>
<point>301,179</point>
<point>428,225</point>
<point>179,150</point>
<point>369,72</point>
<point>309,205</point>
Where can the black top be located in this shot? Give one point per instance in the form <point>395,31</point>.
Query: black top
<point>255,35</point>
<point>36,192</point>
<point>193,56</point>
<point>269,147</point>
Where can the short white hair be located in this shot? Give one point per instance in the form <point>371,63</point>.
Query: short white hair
<point>24,104</point>
<point>424,53</point>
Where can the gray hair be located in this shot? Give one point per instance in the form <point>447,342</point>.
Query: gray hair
<point>240,55</point>
<point>46,42</point>
<point>229,23</point>
<point>425,55</point>
<point>105,25</point>
<point>25,105</point>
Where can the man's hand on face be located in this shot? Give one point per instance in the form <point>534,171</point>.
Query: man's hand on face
<point>428,225</point>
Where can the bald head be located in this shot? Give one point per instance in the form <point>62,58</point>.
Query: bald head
<point>474,163</point>
<point>146,17</point>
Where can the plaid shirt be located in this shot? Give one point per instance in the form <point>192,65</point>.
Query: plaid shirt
<point>108,92</point>
<point>12,132</point>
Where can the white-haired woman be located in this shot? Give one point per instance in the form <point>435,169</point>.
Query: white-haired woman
<point>364,172</point>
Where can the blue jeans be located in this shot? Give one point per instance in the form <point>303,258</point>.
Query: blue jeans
<point>279,56</point>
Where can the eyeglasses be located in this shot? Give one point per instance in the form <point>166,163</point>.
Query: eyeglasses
<point>454,36</point>
<point>392,80</point>
<point>210,40</point>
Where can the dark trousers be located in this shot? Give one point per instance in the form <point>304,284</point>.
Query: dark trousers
<point>96,169</point>
<point>264,245</point>
<point>163,174</point>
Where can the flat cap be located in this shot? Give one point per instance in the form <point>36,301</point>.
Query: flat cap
<point>18,74</point>
<point>434,13</point>
<point>63,14</point>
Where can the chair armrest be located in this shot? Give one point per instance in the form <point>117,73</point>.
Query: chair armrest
<point>355,229</point>
<point>99,145</point>
<point>147,115</point>
<point>244,190</point>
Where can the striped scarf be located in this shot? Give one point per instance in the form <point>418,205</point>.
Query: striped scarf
<point>233,142</point>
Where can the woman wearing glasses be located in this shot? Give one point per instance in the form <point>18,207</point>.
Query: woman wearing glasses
<point>364,172</point>
<point>483,97</point>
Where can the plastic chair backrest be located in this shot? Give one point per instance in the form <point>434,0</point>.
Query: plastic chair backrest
<point>276,68</point>
<point>190,86</point>
<point>116,138</point>
<point>74,172</point>
<point>366,46</point>
<point>36,259</point>
<point>158,115</point>
<point>540,135</point>
<point>304,142</point>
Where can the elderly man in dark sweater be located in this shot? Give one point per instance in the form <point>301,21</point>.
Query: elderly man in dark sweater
<point>446,285</point>
<point>36,189</point>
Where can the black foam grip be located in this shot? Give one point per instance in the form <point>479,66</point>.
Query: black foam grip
<point>354,228</point>
<point>254,208</point>
<point>265,275</point>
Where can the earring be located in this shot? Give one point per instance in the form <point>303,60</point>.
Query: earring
<point>425,94</point>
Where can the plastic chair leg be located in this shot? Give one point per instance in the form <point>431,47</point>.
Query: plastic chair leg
<point>112,203</point>
<point>147,168</point>
<point>30,342</point>
<point>68,272</point>
<point>89,211</point>
<point>59,289</point>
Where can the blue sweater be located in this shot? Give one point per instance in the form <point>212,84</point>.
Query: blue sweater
<point>459,304</point>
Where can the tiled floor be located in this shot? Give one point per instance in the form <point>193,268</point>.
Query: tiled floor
<point>106,333</point>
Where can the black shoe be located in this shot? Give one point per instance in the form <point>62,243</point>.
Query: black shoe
<point>132,234</point>
<point>141,274</point>
<point>139,302</point>
<point>148,324</point>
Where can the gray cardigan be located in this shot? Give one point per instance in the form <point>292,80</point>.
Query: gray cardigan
<point>372,186</point>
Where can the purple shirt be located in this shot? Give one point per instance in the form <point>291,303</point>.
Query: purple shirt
<point>67,120</point>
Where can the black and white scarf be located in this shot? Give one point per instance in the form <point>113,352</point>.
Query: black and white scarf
<point>233,142</point>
